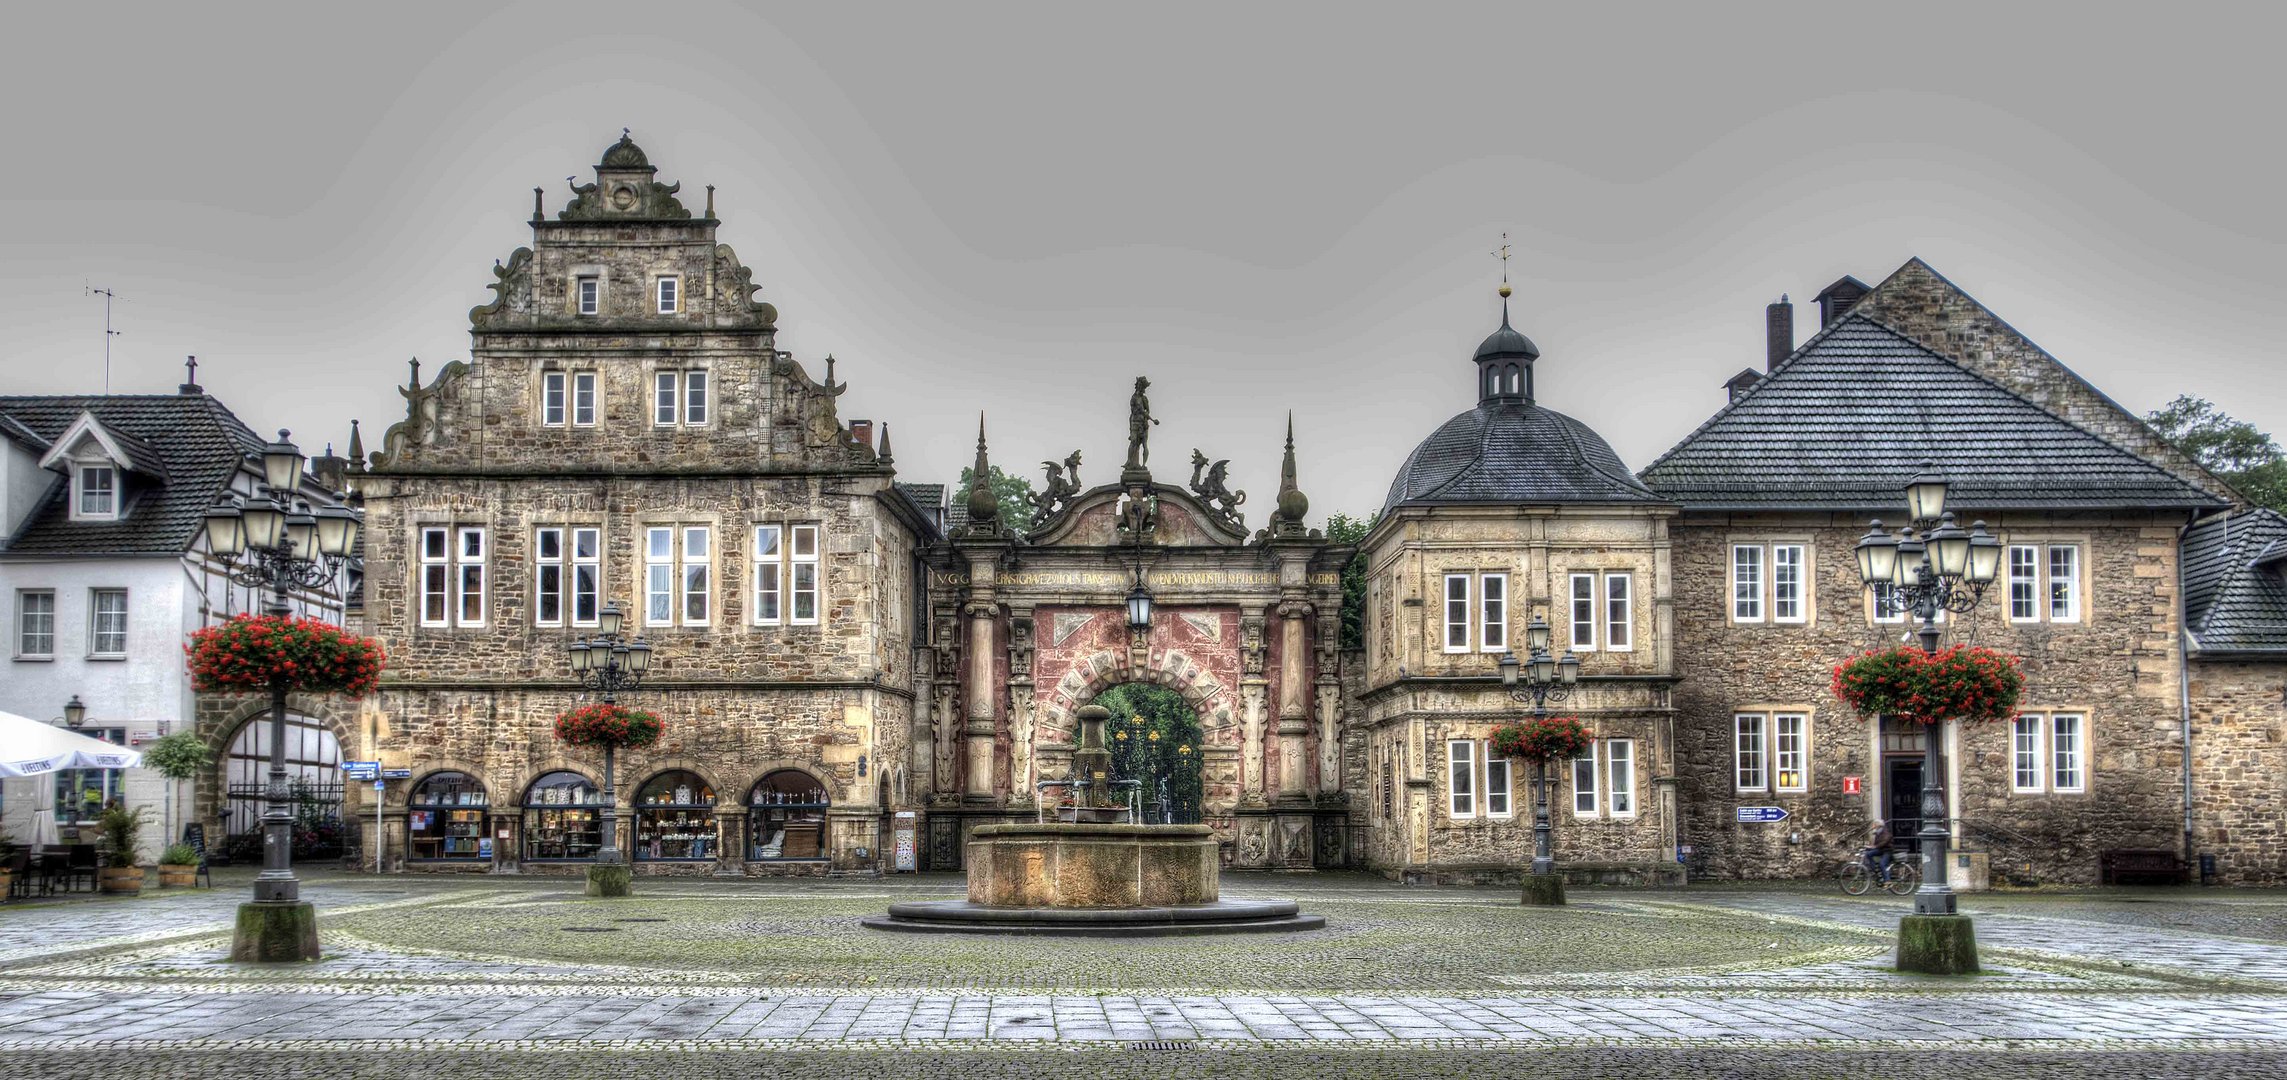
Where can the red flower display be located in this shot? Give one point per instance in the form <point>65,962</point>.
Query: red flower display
<point>1542,739</point>
<point>256,652</point>
<point>1965,682</point>
<point>612,727</point>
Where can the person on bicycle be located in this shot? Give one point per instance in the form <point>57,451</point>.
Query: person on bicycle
<point>1880,849</point>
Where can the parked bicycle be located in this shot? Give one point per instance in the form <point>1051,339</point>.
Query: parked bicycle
<point>1861,874</point>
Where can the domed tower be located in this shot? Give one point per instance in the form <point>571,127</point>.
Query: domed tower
<point>1515,548</point>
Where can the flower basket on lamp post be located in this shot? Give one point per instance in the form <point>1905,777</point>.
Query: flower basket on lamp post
<point>611,728</point>
<point>1540,740</point>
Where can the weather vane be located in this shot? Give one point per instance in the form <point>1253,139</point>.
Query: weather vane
<point>1503,255</point>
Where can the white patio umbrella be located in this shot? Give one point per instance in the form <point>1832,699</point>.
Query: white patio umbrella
<point>31,748</point>
<point>44,831</point>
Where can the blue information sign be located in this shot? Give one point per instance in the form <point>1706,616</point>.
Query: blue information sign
<point>362,770</point>
<point>1750,814</point>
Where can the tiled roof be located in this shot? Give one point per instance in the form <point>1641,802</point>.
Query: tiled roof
<point>1507,451</point>
<point>2235,600</point>
<point>1854,412</point>
<point>189,443</point>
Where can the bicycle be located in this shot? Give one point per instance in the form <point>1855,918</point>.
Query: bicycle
<point>1859,875</point>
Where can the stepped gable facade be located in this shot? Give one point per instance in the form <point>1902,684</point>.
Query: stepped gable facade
<point>626,431</point>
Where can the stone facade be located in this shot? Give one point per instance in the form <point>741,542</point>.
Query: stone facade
<point>2239,768</point>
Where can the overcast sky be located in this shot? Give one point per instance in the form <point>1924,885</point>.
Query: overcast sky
<point>1020,209</point>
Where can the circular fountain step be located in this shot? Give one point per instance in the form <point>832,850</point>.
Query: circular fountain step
<point>1220,917</point>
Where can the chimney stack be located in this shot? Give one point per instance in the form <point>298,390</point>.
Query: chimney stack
<point>862,433</point>
<point>1778,332</point>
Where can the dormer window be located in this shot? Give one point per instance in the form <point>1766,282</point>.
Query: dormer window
<point>97,499</point>
<point>589,292</point>
<point>670,295</point>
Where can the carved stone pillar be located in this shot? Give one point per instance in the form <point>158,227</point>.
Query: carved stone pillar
<point>1020,746</point>
<point>1293,715</point>
<point>1329,778</point>
<point>983,619</point>
<point>945,745</point>
<point>1251,754</point>
<point>730,829</point>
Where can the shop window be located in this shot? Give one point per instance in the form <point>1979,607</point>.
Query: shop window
<point>444,818</point>
<point>786,817</point>
<point>675,818</point>
<point>81,794</point>
<point>562,818</point>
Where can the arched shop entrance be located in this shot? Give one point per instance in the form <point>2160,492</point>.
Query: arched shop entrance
<point>1156,738</point>
<point>786,818</point>
<point>1040,610</point>
<point>563,819</point>
<point>675,818</point>
<point>445,818</point>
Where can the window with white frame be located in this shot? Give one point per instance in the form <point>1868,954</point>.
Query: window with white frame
<point>2067,752</point>
<point>2025,754</point>
<point>1749,771</point>
<point>669,293</point>
<point>1881,609</point>
<point>678,575</point>
<point>1583,608</point>
<point>552,403</point>
<point>803,572</point>
<point>769,575</point>
<point>1790,751</point>
<point>1620,769</point>
<point>107,623</point>
<point>98,493</point>
<point>469,555</point>
<point>1456,613</point>
<point>679,397</point>
<point>436,576</point>
<point>1493,610</point>
<point>1788,582</point>
<point>2044,583</point>
<point>1461,761</point>
<point>1497,801</point>
<point>583,399</point>
<point>35,624</point>
<point>588,293</point>
<point>587,575</point>
<point>548,576</point>
<point>1584,783</point>
<point>1747,583</point>
<point>1619,620</point>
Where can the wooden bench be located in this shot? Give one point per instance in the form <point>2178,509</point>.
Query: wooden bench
<point>2151,866</point>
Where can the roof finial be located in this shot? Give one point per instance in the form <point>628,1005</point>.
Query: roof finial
<point>710,202</point>
<point>190,384</point>
<point>415,382</point>
<point>883,455</point>
<point>1503,255</point>
<point>984,505</point>
<point>356,448</point>
<point>1293,506</point>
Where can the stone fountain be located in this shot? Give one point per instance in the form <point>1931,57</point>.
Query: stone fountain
<point>1094,871</point>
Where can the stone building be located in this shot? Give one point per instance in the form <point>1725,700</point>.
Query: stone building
<point>627,432</point>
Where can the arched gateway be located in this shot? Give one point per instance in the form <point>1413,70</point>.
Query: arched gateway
<point>1139,581</point>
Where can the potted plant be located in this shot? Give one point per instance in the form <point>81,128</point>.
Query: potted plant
<point>121,828</point>
<point>178,865</point>
<point>177,757</point>
<point>7,862</point>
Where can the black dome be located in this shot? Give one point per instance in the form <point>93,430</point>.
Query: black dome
<point>1508,451</point>
<point>1507,342</point>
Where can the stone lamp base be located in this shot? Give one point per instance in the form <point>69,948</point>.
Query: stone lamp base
<point>610,879</point>
<point>275,933</point>
<point>1937,945</point>
<point>1544,890</point>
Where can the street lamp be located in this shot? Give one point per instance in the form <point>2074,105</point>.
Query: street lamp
<point>1139,605</point>
<point>1540,680</point>
<point>273,540</point>
<point>1930,566</point>
<point>75,714</point>
<point>608,664</point>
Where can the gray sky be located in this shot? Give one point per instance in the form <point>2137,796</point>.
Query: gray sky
<point>1019,209</point>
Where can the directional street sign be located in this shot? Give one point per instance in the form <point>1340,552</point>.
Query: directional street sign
<point>396,774</point>
<point>1750,814</point>
<point>361,770</point>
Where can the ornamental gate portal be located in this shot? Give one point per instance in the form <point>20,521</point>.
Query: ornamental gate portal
<point>1138,581</point>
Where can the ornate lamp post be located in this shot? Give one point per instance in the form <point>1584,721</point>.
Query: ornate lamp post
<point>1928,567</point>
<point>274,541</point>
<point>1541,680</point>
<point>608,664</point>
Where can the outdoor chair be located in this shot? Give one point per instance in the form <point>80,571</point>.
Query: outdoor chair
<point>20,871</point>
<point>81,862</point>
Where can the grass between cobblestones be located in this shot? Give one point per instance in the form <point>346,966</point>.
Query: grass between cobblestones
<point>1202,1062</point>
<point>1369,947</point>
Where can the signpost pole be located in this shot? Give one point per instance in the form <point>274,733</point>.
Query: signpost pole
<point>380,838</point>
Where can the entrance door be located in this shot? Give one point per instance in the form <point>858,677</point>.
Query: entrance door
<point>1902,782</point>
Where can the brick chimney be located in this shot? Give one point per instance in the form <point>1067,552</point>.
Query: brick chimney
<point>1778,332</point>
<point>862,433</point>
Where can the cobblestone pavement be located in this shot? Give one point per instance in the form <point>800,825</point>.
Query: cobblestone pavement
<point>434,978</point>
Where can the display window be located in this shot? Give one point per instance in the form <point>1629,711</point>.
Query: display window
<point>444,819</point>
<point>563,819</point>
<point>786,816</point>
<point>675,818</point>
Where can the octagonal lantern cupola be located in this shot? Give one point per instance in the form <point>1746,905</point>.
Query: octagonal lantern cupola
<point>1505,362</point>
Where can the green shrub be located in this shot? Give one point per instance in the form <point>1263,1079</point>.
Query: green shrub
<point>179,855</point>
<point>121,828</point>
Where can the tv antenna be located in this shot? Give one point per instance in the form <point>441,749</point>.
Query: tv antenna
<point>108,333</point>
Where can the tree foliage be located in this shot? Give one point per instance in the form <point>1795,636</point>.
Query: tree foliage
<point>1141,711</point>
<point>2235,450</point>
<point>1344,529</point>
<point>1014,492</point>
<point>179,756</point>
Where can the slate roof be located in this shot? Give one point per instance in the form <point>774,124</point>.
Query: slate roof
<point>190,443</point>
<point>2235,600</point>
<point>1842,424</point>
<point>1508,451</point>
